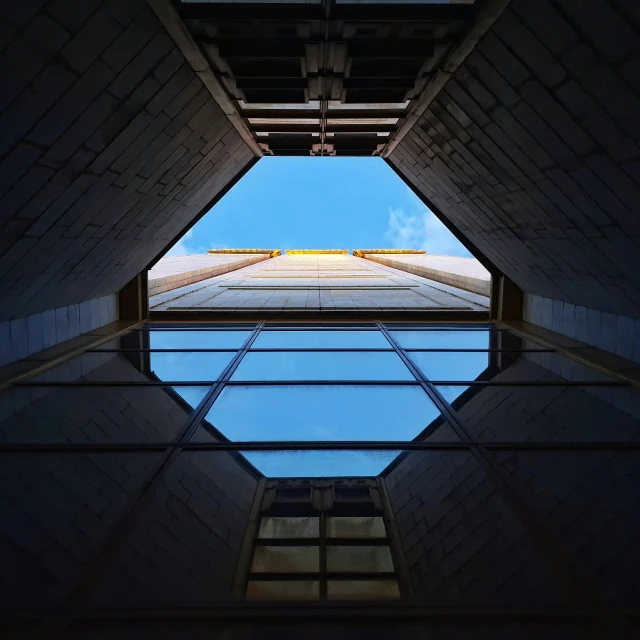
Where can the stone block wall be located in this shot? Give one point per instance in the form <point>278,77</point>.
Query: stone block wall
<point>110,146</point>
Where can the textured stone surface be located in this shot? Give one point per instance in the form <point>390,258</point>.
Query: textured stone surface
<point>531,151</point>
<point>22,337</point>
<point>110,147</point>
<point>464,273</point>
<point>178,271</point>
<point>318,282</point>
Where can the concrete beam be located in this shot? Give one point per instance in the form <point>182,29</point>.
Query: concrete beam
<point>484,20</point>
<point>168,16</point>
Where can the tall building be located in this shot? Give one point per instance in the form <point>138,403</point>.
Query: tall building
<point>322,282</point>
<point>366,444</point>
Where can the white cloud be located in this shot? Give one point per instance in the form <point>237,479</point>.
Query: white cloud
<point>422,230</point>
<point>180,247</point>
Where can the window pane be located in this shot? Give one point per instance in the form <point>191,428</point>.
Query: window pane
<point>362,590</point>
<point>442,339</point>
<point>275,527</point>
<point>551,413</point>
<point>320,464</point>
<point>197,339</point>
<point>353,527</point>
<point>451,366</point>
<point>189,366</point>
<point>451,392</point>
<point>96,415</point>
<point>322,366</point>
<point>138,366</point>
<point>344,559</point>
<point>321,412</point>
<point>283,590</point>
<point>321,340</point>
<point>285,559</point>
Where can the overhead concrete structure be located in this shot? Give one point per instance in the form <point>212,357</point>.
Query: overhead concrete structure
<point>317,281</point>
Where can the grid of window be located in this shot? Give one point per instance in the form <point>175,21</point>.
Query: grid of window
<point>159,441</point>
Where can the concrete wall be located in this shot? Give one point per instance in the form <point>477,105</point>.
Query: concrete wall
<point>318,283</point>
<point>22,337</point>
<point>464,273</point>
<point>172,272</point>
<point>110,146</point>
<point>531,151</point>
<point>607,331</point>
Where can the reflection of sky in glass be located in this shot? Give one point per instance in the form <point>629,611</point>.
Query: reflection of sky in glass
<point>192,395</point>
<point>451,366</point>
<point>322,366</point>
<point>197,339</point>
<point>181,366</point>
<point>442,339</point>
<point>321,340</point>
<point>322,412</point>
<point>451,392</point>
<point>318,464</point>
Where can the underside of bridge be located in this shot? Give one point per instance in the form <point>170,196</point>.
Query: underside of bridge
<point>515,121</point>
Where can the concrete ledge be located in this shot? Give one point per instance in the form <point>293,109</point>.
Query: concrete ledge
<point>177,280</point>
<point>459,280</point>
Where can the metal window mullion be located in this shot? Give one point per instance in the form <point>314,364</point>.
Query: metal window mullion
<point>142,498</point>
<point>580,586</point>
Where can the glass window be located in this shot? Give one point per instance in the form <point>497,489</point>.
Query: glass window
<point>451,392</point>
<point>139,366</point>
<point>362,590</point>
<point>321,340</point>
<point>442,339</point>
<point>182,366</point>
<point>355,527</point>
<point>322,412</point>
<point>450,365</point>
<point>96,415</point>
<point>320,464</point>
<point>359,559</point>
<point>283,590</point>
<point>279,527</point>
<point>197,339</point>
<point>285,559</point>
<point>333,365</point>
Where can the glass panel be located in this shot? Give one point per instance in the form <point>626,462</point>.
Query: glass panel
<point>58,510</point>
<point>451,392</point>
<point>362,590</point>
<point>285,559</point>
<point>354,527</point>
<point>550,413</point>
<point>320,464</point>
<point>283,590</point>
<point>189,366</point>
<point>321,340</point>
<point>321,412</point>
<point>451,366</point>
<point>138,366</point>
<point>197,339</point>
<point>524,367</point>
<point>322,366</point>
<point>357,559</point>
<point>278,527</point>
<point>96,415</point>
<point>442,339</point>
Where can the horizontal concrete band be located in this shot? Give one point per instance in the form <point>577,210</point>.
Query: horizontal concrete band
<point>174,281</point>
<point>468,283</point>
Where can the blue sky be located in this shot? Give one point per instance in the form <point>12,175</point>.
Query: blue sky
<point>320,203</point>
